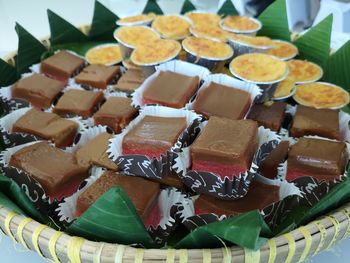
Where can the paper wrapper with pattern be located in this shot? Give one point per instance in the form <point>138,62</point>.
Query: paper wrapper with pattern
<point>211,184</point>
<point>142,165</point>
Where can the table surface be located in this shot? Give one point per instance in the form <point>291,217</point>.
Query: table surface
<point>15,10</point>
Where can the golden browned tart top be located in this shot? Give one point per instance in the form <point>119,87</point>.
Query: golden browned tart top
<point>321,95</point>
<point>133,36</point>
<point>209,31</point>
<point>203,18</point>
<point>172,26</point>
<point>284,88</point>
<point>136,20</point>
<point>283,49</point>
<point>258,67</point>
<point>155,52</point>
<point>241,23</point>
<point>207,48</point>
<point>104,54</point>
<point>304,71</point>
<point>251,41</point>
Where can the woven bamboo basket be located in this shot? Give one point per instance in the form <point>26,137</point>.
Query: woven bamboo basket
<point>57,246</point>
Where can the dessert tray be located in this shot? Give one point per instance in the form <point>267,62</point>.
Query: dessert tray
<point>195,137</point>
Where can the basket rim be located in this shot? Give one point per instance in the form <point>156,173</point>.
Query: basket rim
<point>292,246</point>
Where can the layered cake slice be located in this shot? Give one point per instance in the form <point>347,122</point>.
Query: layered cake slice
<point>38,90</point>
<point>48,126</point>
<point>153,136</point>
<point>95,152</point>
<point>171,89</point>
<point>222,101</point>
<point>322,159</point>
<point>57,171</point>
<point>225,147</point>
<point>115,113</point>
<point>142,193</point>
<point>311,121</point>
<point>269,115</point>
<point>97,76</point>
<point>259,196</point>
<point>62,65</point>
<point>78,102</point>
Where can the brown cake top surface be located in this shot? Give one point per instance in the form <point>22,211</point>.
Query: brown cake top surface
<point>95,152</point>
<point>97,75</point>
<point>268,115</point>
<point>158,132</point>
<point>46,125</point>
<point>259,196</point>
<point>224,140</point>
<point>220,100</point>
<point>50,166</point>
<point>319,156</point>
<point>37,89</point>
<point>171,89</point>
<point>64,62</point>
<point>79,102</point>
<point>311,121</point>
<point>117,107</point>
<point>130,80</point>
<point>143,193</point>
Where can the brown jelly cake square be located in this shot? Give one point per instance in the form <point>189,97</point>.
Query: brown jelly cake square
<point>78,102</point>
<point>322,159</point>
<point>115,113</point>
<point>259,196</point>
<point>57,171</point>
<point>143,193</point>
<point>171,89</point>
<point>311,121</point>
<point>62,65</point>
<point>97,76</point>
<point>225,147</point>
<point>222,101</point>
<point>48,126</point>
<point>269,115</point>
<point>95,152</point>
<point>130,80</point>
<point>153,136</point>
<point>38,90</point>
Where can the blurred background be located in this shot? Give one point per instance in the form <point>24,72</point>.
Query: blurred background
<point>302,14</point>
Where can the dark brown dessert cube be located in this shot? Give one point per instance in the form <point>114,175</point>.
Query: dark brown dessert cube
<point>62,65</point>
<point>130,80</point>
<point>322,159</point>
<point>38,90</point>
<point>142,193</point>
<point>48,126</point>
<point>269,115</point>
<point>268,167</point>
<point>153,136</point>
<point>311,121</point>
<point>97,76</point>
<point>222,101</point>
<point>57,171</point>
<point>171,89</point>
<point>225,147</point>
<point>259,196</point>
<point>115,113</point>
<point>95,152</point>
<point>78,102</point>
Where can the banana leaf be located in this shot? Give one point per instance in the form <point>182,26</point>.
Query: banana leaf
<point>187,7</point>
<point>275,21</point>
<point>152,7</point>
<point>228,9</point>
<point>315,44</point>
<point>8,74</point>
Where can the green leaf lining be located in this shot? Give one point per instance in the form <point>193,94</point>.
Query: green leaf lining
<point>228,9</point>
<point>103,23</point>
<point>275,21</point>
<point>8,74</point>
<point>315,44</point>
<point>187,7</point>
<point>152,7</point>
